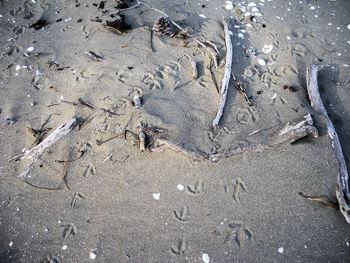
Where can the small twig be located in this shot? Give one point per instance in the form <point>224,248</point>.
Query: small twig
<point>226,79</point>
<point>35,186</point>
<point>140,127</point>
<point>323,201</point>
<point>340,83</point>
<point>150,42</point>
<point>239,86</point>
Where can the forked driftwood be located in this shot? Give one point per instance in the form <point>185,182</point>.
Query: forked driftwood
<point>343,194</point>
<point>226,79</point>
<point>210,50</point>
<point>291,132</point>
<point>34,153</point>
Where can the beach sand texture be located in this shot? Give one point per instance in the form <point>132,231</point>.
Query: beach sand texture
<point>92,196</point>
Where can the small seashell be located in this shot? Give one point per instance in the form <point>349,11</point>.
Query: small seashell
<point>93,255</point>
<point>156,196</point>
<point>248,72</point>
<point>229,5</point>
<point>261,62</point>
<point>205,258</point>
<point>267,49</point>
<point>180,187</point>
<point>30,49</point>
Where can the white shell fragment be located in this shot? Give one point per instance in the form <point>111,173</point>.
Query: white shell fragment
<point>267,49</point>
<point>180,187</point>
<point>30,49</point>
<point>93,255</point>
<point>156,196</point>
<point>205,258</point>
<point>248,73</point>
<point>280,250</point>
<point>261,62</point>
<point>229,5</point>
<point>348,26</point>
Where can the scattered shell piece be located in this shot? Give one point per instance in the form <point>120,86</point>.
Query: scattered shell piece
<point>180,187</point>
<point>18,67</point>
<point>205,258</point>
<point>11,244</point>
<point>261,62</point>
<point>251,4</point>
<point>255,9</point>
<point>248,72</point>
<point>348,26</point>
<point>202,16</point>
<point>229,5</point>
<point>93,255</point>
<point>280,250</point>
<point>30,49</point>
<point>1,15</point>
<point>267,48</point>
<point>64,247</point>
<point>156,196</point>
<point>240,35</point>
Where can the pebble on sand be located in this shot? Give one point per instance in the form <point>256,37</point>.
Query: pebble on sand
<point>280,250</point>
<point>262,62</point>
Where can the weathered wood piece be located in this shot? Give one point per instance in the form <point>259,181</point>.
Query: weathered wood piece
<point>291,132</point>
<point>34,153</point>
<point>226,79</point>
<point>342,192</point>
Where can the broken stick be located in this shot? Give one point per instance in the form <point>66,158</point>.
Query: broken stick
<point>226,79</point>
<point>34,153</point>
<point>140,127</point>
<point>342,192</point>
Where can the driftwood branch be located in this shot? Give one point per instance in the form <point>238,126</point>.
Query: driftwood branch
<point>226,79</point>
<point>291,132</point>
<point>207,48</point>
<point>343,194</point>
<point>34,153</point>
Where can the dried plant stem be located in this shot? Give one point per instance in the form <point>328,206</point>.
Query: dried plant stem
<point>140,126</point>
<point>207,48</point>
<point>343,194</point>
<point>226,79</point>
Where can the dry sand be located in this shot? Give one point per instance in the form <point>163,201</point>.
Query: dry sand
<point>120,205</point>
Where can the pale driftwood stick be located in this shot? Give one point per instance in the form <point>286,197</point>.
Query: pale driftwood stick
<point>34,153</point>
<point>62,130</point>
<point>343,194</point>
<point>194,69</point>
<point>140,126</point>
<point>162,144</point>
<point>291,132</point>
<point>207,48</point>
<point>226,79</point>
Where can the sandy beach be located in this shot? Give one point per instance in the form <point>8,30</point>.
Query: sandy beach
<point>238,193</point>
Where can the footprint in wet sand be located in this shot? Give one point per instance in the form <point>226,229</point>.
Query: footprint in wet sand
<point>182,214</point>
<point>180,248</point>
<point>196,189</point>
